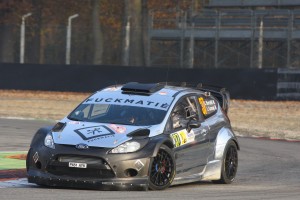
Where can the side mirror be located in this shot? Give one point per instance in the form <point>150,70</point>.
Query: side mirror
<point>193,124</point>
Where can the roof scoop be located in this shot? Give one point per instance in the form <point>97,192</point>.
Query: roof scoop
<point>141,88</point>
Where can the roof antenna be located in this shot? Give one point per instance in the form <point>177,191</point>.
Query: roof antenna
<point>167,74</point>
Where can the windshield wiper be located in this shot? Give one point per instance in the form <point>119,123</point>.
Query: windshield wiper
<point>117,122</point>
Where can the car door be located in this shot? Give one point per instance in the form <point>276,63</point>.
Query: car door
<point>191,146</point>
<point>209,107</point>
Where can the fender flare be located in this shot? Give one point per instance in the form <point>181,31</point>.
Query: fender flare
<point>213,169</point>
<point>160,140</point>
<point>38,136</point>
<point>224,136</point>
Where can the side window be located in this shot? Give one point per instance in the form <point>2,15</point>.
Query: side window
<point>184,111</point>
<point>85,112</point>
<point>82,112</point>
<point>89,111</point>
<point>192,112</point>
<point>99,109</point>
<point>208,105</point>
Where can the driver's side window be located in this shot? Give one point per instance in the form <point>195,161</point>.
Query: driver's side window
<point>183,112</point>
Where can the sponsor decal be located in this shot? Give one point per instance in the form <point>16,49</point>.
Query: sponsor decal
<point>100,137</point>
<point>139,165</point>
<point>211,105</point>
<point>94,132</point>
<point>35,157</point>
<point>207,106</point>
<point>117,128</point>
<point>162,93</point>
<point>182,137</point>
<point>130,102</point>
<point>203,106</point>
<point>73,122</point>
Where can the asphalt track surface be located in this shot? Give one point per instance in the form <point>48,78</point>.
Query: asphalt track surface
<point>267,170</point>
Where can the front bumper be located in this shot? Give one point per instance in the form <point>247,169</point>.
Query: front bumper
<point>42,178</point>
<point>50,167</point>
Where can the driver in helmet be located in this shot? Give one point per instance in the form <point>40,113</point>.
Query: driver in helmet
<point>179,116</point>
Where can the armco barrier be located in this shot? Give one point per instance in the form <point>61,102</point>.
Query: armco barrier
<point>260,84</point>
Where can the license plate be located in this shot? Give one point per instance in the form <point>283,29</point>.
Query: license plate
<point>77,165</point>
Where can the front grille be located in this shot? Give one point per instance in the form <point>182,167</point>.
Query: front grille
<point>82,173</point>
<point>80,159</point>
<point>96,167</point>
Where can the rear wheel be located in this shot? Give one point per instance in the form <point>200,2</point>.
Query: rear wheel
<point>162,169</point>
<point>229,165</point>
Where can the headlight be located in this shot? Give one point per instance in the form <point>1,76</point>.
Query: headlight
<point>127,147</point>
<point>49,141</point>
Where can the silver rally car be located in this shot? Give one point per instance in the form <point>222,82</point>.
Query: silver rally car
<point>138,136</point>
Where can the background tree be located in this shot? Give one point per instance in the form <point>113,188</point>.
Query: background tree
<point>136,40</point>
<point>97,33</point>
<point>10,21</point>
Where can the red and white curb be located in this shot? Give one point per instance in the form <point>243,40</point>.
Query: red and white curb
<point>268,138</point>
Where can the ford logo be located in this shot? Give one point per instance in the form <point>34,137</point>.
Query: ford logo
<point>82,146</point>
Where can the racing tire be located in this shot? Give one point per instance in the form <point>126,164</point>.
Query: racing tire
<point>162,169</point>
<point>229,164</point>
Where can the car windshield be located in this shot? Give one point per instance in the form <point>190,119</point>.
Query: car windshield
<point>117,114</point>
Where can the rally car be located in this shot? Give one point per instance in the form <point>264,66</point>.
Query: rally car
<point>139,136</point>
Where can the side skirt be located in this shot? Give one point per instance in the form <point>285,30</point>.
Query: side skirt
<point>212,171</point>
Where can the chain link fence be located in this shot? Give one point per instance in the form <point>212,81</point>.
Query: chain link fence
<point>47,45</point>
<point>227,39</point>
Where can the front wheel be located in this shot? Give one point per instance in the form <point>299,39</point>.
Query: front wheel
<point>162,169</point>
<point>229,164</point>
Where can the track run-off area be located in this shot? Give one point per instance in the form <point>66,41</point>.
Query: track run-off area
<point>268,169</point>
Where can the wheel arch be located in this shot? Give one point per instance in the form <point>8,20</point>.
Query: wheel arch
<point>39,135</point>
<point>236,143</point>
<point>224,136</point>
<point>165,140</point>
<point>214,167</point>
<point>169,144</point>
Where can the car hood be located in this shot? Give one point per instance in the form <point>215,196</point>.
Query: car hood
<point>94,134</point>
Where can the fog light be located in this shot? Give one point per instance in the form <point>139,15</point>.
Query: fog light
<point>130,172</point>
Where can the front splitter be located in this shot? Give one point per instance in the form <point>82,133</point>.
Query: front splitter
<point>98,184</point>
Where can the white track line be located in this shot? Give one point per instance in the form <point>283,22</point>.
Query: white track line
<point>19,183</point>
